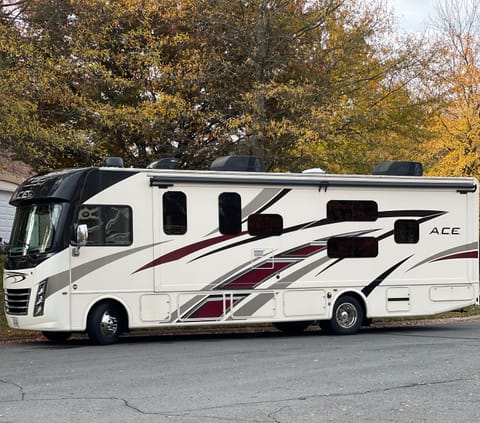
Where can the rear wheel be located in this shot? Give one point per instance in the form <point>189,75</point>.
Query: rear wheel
<point>57,337</point>
<point>292,328</point>
<point>348,315</point>
<point>105,323</point>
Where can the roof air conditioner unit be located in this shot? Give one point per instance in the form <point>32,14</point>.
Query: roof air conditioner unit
<point>238,164</point>
<point>113,162</point>
<point>399,168</point>
<point>166,163</point>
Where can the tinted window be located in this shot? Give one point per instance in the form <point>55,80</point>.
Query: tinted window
<point>107,225</point>
<point>174,213</point>
<point>265,224</point>
<point>351,210</point>
<point>406,231</point>
<point>230,213</point>
<point>350,247</point>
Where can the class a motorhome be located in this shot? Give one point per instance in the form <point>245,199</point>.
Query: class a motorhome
<point>107,250</point>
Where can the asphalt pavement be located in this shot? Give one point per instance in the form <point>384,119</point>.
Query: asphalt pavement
<point>427,373</point>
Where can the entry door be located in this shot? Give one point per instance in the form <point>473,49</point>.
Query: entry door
<point>196,254</point>
<point>158,238</point>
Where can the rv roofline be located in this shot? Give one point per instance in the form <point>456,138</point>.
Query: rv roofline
<point>324,182</point>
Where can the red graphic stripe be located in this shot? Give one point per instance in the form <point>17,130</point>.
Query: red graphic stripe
<point>210,310</point>
<point>185,251</point>
<point>249,279</point>
<point>213,308</point>
<point>464,255</point>
<point>304,251</point>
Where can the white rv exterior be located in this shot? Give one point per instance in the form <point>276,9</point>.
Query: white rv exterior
<point>174,248</point>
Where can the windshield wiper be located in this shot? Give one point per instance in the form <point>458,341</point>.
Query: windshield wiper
<point>22,247</point>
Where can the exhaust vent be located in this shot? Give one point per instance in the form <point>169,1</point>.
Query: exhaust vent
<point>238,164</point>
<point>399,168</point>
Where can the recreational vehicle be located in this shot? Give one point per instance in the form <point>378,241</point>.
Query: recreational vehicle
<point>108,249</point>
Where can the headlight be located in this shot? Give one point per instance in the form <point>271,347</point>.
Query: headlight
<point>40,298</point>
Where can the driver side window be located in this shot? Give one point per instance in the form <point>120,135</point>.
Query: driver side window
<point>107,225</point>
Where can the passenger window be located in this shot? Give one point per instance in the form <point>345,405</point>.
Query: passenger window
<point>352,211</point>
<point>352,247</point>
<point>174,213</point>
<point>230,213</point>
<point>107,225</point>
<point>265,224</point>
<point>406,231</point>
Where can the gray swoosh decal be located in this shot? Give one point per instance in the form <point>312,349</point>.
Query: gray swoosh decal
<point>86,268</point>
<point>293,277</point>
<point>459,249</point>
<point>252,306</point>
<point>57,282</point>
<point>263,197</point>
<point>62,280</point>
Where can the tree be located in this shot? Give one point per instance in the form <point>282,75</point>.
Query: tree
<point>310,82</point>
<point>302,83</point>
<point>33,126</point>
<point>455,148</point>
<point>99,80</point>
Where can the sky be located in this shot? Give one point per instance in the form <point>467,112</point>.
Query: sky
<point>413,15</point>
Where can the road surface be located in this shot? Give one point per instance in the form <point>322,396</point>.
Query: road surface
<point>401,374</point>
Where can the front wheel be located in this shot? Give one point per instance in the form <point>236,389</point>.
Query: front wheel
<point>348,315</point>
<point>104,324</point>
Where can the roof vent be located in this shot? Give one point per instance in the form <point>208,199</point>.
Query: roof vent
<point>399,168</point>
<point>166,163</point>
<point>315,170</point>
<point>113,162</point>
<point>238,164</point>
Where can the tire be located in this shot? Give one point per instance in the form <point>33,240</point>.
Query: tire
<point>105,323</point>
<point>292,328</point>
<point>348,316</point>
<point>57,337</point>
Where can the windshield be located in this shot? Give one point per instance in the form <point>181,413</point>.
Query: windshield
<point>34,228</point>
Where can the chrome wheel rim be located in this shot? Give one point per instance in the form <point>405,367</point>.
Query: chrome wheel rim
<point>108,324</point>
<point>346,315</point>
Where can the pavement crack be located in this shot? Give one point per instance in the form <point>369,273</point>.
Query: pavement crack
<point>413,385</point>
<point>166,414</point>
<point>201,412</point>
<point>16,385</point>
<point>329,395</point>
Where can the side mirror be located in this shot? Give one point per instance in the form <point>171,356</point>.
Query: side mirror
<point>82,238</point>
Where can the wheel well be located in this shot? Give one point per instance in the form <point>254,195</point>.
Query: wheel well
<point>359,298</point>
<point>118,306</point>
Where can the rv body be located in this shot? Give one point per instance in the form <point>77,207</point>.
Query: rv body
<point>175,248</point>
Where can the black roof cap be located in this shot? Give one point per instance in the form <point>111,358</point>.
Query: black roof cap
<point>399,168</point>
<point>238,164</point>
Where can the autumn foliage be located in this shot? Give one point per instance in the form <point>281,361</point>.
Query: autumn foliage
<point>323,83</point>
